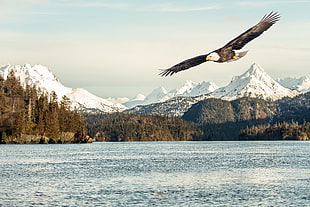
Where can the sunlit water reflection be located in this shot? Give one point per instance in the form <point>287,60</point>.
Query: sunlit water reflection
<point>156,174</point>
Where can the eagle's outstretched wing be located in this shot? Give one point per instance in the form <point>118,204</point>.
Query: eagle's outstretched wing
<point>236,44</point>
<point>266,22</point>
<point>184,65</point>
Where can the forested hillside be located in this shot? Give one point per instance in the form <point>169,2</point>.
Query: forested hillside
<point>121,127</point>
<point>283,131</point>
<point>30,117</point>
<point>292,122</point>
<point>223,120</point>
<point>252,118</point>
<point>212,119</point>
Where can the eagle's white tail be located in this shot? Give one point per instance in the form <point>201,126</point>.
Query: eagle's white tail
<point>238,56</point>
<point>241,54</point>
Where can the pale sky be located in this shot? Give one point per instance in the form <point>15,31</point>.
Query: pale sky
<point>114,48</point>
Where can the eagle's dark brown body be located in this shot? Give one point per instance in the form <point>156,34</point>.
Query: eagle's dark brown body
<point>225,54</point>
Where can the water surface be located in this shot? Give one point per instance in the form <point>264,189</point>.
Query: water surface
<point>156,174</point>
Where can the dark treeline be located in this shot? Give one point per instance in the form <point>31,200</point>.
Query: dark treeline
<point>30,117</point>
<point>121,127</point>
<point>252,118</point>
<point>285,124</point>
<point>223,120</point>
<point>283,131</point>
<point>211,119</point>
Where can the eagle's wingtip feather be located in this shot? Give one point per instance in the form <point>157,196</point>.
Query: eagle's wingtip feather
<point>165,72</point>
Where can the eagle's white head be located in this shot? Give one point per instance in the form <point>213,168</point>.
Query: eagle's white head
<point>213,56</point>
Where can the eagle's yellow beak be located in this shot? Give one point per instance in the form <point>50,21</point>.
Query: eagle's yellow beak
<point>208,58</point>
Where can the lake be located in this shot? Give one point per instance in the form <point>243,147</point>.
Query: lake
<point>156,174</point>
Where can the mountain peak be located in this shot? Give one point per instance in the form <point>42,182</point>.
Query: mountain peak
<point>255,82</point>
<point>139,97</point>
<point>301,84</point>
<point>42,78</point>
<point>202,89</point>
<point>186,88</point>
<point>256,66</point>
<point>255,71</point>
<point>156,95</point>
<point>37,75</point>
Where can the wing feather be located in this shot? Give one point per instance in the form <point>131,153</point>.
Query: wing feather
<point>186,64</point>
<point>266,22</point>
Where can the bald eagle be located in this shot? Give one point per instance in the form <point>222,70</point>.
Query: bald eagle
<point>227,53</point>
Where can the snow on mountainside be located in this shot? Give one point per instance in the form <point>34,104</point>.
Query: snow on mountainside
<point>301,84</point>
<point>189,89</point>
<point>36,75</point>
<point>192,89</point>
<point>175,106</point>
<point>157,95</point>
<point>186,88</point>
<point>137,100</point>
<point>255,82</point>
<point>202,88</point>
<point>118,100</point>
<point>46,81</point>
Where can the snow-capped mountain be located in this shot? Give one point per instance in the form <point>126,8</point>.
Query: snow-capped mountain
<point>36,75</point>
<point>118,100</point>
<point>188,89</point>
<point>157,95</point>
<point>255,82</point>
<point>192,89</point>
<point>175,106</point>
<point>301,84</point>
<point>202,88</point>
<point>137,100</point>
<point>46,81</point>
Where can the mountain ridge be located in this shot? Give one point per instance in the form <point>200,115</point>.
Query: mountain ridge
<point>301,84</point>
<point>42,78</point>
<point>188,89</point>
<point>254,82</point>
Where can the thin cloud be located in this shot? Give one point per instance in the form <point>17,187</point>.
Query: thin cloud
<point>264,3</point>
<point>98,4</point>
<point>188,9</point>
<point>173,8</point>
<point>25,1</point>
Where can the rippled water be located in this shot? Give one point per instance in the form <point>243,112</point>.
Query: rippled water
<point>156,174</point>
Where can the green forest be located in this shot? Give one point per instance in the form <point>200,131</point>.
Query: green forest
<point>252,119</point>
<point>28,116</point>
<point>280,131</point>
<point>123,127</point>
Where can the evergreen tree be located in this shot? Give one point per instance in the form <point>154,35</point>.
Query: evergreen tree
<point>26,115</point>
